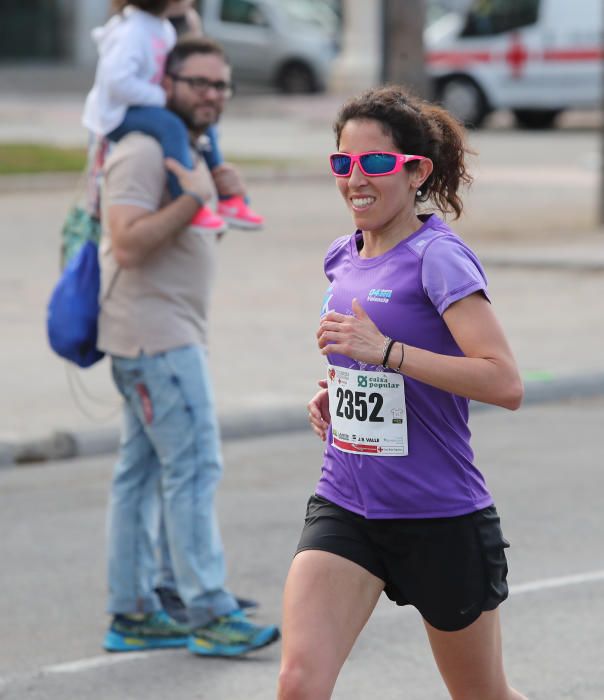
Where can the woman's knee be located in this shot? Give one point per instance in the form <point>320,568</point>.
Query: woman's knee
<point>298,681</point>
<point>292,684</point>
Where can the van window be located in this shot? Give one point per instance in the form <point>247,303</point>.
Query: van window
<point>488,17</point>
<point>313,12</point>
<point>242,12</point>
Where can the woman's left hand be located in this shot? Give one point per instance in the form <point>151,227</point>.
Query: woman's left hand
<point>318,411</point>
<point>355,336</point>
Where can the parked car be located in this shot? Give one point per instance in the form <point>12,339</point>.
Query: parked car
<point>289,44</point>
<point>535,57</point>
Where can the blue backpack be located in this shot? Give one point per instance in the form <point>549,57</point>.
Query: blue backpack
<point>73,309</point>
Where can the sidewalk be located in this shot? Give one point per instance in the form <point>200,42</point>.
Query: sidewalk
<point>531,228</point>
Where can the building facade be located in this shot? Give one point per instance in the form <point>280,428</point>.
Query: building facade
<point>50,30</point>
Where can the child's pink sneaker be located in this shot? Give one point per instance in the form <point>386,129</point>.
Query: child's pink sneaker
<point>206,221</point>
<point>236,212</point>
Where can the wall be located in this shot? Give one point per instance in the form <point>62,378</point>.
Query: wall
<point>87,14</point>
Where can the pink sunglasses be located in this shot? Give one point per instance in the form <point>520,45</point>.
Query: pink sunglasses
<point>371,163</point>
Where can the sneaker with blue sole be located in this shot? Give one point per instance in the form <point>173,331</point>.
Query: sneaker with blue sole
<point>155,630</point>
<point>231,635</point>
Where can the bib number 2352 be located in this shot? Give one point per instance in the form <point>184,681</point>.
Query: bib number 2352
<point>367,412</point>
<point>359,405</point>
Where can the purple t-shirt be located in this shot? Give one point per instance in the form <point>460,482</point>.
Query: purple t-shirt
<point>405,292</point>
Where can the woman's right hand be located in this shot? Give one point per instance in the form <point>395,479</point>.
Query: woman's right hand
<point>318,411</point>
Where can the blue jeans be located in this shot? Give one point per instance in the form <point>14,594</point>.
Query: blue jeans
<point>169,458</point>
<point>169,129</point>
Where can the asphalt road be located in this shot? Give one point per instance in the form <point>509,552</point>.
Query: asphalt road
<point>543,464</point>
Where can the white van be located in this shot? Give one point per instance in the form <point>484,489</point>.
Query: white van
<point>535,57</point>
<point>289,44</point>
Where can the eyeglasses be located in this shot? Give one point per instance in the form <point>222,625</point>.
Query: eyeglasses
<point>202,85</point>
<point>371,163</point>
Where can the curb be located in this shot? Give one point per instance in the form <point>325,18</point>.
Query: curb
<point>62,445</point>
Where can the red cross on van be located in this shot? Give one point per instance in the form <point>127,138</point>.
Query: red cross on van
<point>535,57</point>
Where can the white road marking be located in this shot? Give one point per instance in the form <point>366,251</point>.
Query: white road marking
<point>96,662</point>
<point>110,659</point>
<point>558,582</point>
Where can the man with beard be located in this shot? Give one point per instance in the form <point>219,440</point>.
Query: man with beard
<point>157,274</point>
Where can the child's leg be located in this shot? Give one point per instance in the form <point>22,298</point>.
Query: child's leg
<point>97,151</point>
<point>233,204</point>
<point>211,152</point>
<point>170,131</point>
<point>167,128</point>
<point>214,159</point>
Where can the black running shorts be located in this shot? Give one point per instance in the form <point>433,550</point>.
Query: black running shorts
<point>450,569</point>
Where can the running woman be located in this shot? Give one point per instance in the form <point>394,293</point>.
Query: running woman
<point>410,337</point>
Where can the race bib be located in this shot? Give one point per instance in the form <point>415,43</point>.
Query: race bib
<point>368,414</point>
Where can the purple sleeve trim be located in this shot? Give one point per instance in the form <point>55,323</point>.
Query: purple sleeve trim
<point>461,293</point>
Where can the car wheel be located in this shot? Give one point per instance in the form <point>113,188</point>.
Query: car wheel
<point>536,118</point>
<point>296,78</point>
<point>464,99</point>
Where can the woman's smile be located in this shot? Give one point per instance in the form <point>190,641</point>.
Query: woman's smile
<point>361,202</point>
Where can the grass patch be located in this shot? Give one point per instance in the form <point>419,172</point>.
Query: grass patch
<point>28,158</point>
<point>538,376</point>
<point>276,162</point>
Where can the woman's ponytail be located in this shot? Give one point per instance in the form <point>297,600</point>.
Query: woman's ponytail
<point>449,149</point>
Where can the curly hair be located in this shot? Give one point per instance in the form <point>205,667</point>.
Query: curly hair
<point>421,128</point>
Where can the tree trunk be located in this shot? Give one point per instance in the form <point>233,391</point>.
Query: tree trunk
<point>403,56</point>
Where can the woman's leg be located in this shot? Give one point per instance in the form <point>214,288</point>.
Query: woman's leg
<point>327,601</point>
<point>471,662</point>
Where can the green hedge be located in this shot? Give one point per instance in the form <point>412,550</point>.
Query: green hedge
<point>22,158</point>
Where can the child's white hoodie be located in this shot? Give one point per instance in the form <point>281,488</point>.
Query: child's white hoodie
<point>132,47</point>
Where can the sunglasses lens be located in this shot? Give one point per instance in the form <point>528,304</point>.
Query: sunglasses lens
<point>340,164</point>
<point>378,163</point>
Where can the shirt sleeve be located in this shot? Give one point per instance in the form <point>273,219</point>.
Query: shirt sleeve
<point>450,272</point>
<point>135,173</point>
<point>332,254</point>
